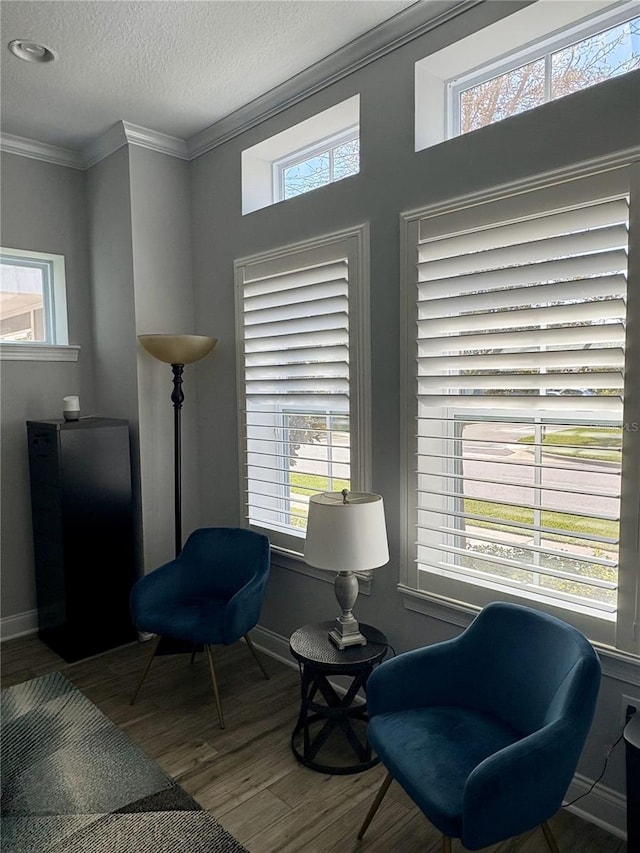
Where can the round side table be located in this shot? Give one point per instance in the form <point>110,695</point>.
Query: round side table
<point>323,710</point>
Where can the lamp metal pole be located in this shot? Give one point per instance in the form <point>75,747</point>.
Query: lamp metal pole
<point>177,398</point>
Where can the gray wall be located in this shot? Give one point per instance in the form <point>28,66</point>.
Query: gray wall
<point>111,254</point>
<point>44,209</point>
<point>163,295</point>
<point>124,229</point>
<point>393,179</point>
<point>140,245</point>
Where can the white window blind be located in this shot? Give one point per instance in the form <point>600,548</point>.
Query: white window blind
<point>520,364</point>
<point>296,382</point>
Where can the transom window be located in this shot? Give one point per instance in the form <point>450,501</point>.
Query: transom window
<point>576,59</point>
<point>32,298</point>
<point>320,150</point>
<point>329,161</point>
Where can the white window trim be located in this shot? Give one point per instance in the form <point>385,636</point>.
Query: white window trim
<point>10,351</point>
<point>357,240</point>
<point>615,664</point>
<point>540,49</point>
<point>303,154</point>
<point>55,320</point>
<point>295,563</point>
<point>626,644</point>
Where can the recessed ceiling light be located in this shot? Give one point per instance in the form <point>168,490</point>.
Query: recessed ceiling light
<point>31,51</point>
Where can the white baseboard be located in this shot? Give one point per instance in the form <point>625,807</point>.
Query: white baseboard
<point>19,625</point>
<point>274,645</point>
<point>604,807</point>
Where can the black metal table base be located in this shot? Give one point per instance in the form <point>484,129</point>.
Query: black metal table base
<point>323,711</point>
<point>339,713</point>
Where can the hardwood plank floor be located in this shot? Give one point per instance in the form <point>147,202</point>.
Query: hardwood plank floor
<point>246,774</point>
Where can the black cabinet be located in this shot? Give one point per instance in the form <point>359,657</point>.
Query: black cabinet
<point>82,516</point>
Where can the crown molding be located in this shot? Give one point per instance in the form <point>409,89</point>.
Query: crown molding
<point>120,134</point>
<point>104,145</point>
<point>124,133</point>
<point>410,24</point>
<point>155,141</point>
<point>24,147</point>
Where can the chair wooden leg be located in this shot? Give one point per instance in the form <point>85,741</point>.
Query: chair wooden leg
<point>253,651</point>
<point>214,682</point>
<point>446,844</point>
<point>154,649</point>
<point>553,847</point>
<point>375,805</point>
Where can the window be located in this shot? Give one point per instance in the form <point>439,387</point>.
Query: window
<point>540,52</point>
<point>330,161</point>
<point>303,343</point>
<point>577,59</point>
<point>313,153</point>
<point>522,488</point>
<point>32,298</point>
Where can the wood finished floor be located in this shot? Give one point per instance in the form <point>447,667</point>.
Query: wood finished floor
<point>247,775</point>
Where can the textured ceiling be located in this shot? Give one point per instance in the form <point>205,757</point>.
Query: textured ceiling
<point>172,66</point>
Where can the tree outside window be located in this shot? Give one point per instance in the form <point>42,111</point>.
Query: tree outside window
<point>324,165</point>
<point>552,75</point>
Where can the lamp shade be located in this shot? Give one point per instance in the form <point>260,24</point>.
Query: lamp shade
<point>346,533</point>
<point>178,349</point>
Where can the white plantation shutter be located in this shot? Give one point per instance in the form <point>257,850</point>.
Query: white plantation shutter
<point>520,310</point>
<point>296,339</point>
<point>566,272</point>
<point>295,381</point>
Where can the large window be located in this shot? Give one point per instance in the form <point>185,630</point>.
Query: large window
<point>526,440</point>
<point>303,340</point>
<point>32,298</point>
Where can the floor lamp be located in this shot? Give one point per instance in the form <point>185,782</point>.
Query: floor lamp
<point>177,350</point>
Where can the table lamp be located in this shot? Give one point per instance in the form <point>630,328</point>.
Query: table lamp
<point>346,533</point>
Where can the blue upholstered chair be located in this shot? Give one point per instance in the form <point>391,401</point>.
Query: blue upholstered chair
<point>211,594</point>
<point>484,731</point>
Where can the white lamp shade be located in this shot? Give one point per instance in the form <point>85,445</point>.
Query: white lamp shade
<point>349,536</point>
<point>178,349</point>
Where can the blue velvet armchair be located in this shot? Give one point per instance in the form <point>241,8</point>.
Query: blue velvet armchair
<point>211,594</point>
<point>484,731</point>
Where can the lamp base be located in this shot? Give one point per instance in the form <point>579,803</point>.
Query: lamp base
<point>347,633</point>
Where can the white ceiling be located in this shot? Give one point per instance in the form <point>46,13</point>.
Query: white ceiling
<point>171,66</point>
